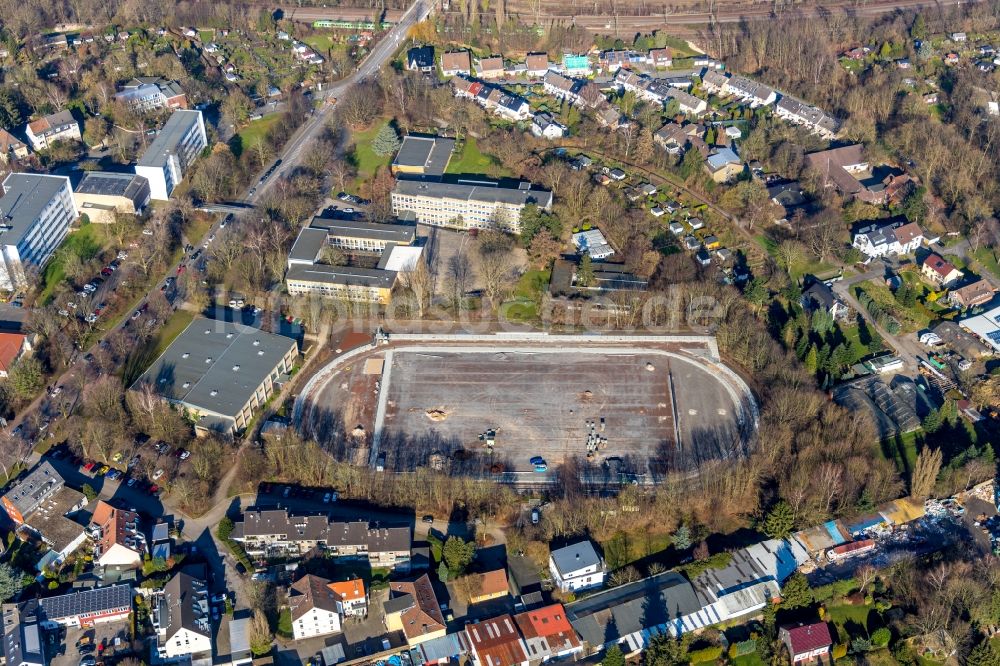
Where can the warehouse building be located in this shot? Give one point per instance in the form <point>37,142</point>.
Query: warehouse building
<point>101,194</point>
<point>37,211</point>
<point>467,204</point>
<point>175,148</point>
<point>221,372</point>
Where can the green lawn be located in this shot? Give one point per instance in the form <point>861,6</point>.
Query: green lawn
<point>910,319</point>
<point>365,158</point>
<point>319,43</point>
<point>844,613</point>
<point>178,321</point>
<point>987,258</point>
<point>86,242</point>
<point>680,47</point>
<point>472,160</point>
<point>752,659</point>
<point>256,129</point>
<point>206,35</point>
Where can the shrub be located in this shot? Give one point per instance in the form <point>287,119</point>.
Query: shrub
<point>705,654</point>
<point>839,651</point>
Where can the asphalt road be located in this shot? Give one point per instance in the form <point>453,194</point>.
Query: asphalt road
<point>310,130</point>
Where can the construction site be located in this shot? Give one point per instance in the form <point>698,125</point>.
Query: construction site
<point>521,408</point>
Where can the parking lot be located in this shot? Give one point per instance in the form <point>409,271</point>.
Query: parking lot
<point>80,642</point>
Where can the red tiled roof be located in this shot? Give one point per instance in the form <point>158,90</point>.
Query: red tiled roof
<point>937,264</point>
<point>11,345</point>
<point>425,616</point>
<point>549,621</point>
<point>809,637</point>
<point>349,590</point>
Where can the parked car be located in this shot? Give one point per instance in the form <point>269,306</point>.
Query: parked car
<point>429,519</point>
<point>157,474</point>
<point>535,516</point>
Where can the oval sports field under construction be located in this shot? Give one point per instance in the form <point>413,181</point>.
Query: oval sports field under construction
<point>518,407</point>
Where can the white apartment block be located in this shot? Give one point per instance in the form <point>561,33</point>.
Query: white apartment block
<point>37,211</point>
<point>57,127</point>
<point>467,205</point>
<point>166,159</point>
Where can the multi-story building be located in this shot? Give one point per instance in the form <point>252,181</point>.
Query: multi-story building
<point>36,211</point>
<point>352,599</point>
<point>897,237</point>
<point>221,373</point>
<point>176,146</point>
<point>22,638</point>
<point>181,618</point>
<point>360,236</point>
<point>118,541</point>
<point>467,205</point>
<point>101,194</point>
<point>308,274</point>
<point>61,126</point>
<point>412,607</point>
<point>275,533</point>
<point>149,93</point>
<point>313,607</point>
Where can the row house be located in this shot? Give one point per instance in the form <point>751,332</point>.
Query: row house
<point>275,533</point>
<point>811,117</point>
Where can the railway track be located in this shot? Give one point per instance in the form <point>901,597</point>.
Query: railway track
<point>549,12</point>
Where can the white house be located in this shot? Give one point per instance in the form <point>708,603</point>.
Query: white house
<point>748,90</point>
<point>351,597</point>
<point>56,127</point>
<point>544,125</point>
<point>314,608</point>
<point>894,238</point>
<point>811,117</point>
<point>577,567</point>
<point>181,618</point>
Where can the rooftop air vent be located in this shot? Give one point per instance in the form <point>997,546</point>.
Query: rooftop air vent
<point>213,393</point>
<point>236,368</point>
<point>185,355</point>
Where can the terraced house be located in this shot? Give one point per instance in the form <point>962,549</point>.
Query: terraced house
<point>276,533</point>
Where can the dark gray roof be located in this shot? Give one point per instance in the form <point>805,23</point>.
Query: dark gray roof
<point>34,488</point>
<point>216,366</point>
<point>86,601</point>
<point>821,294</point>
<point>184,605</point>
<point>480,191</point>
<point>398,604</point>
<point>112,184</point>
<point>308,244</point>
<point>431,153</point>
<point>22,640</point>
<point>266,523</point>
<point>420,56</point>
<point>166,142</point>
<point>348,275</point>
<point>606,617</point>
<point>390,233</point>
<point>25,197</point>
<point>575,557</point>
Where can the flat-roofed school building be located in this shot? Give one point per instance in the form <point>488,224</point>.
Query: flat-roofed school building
<point>467,205</point>
<point>221,372</point>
